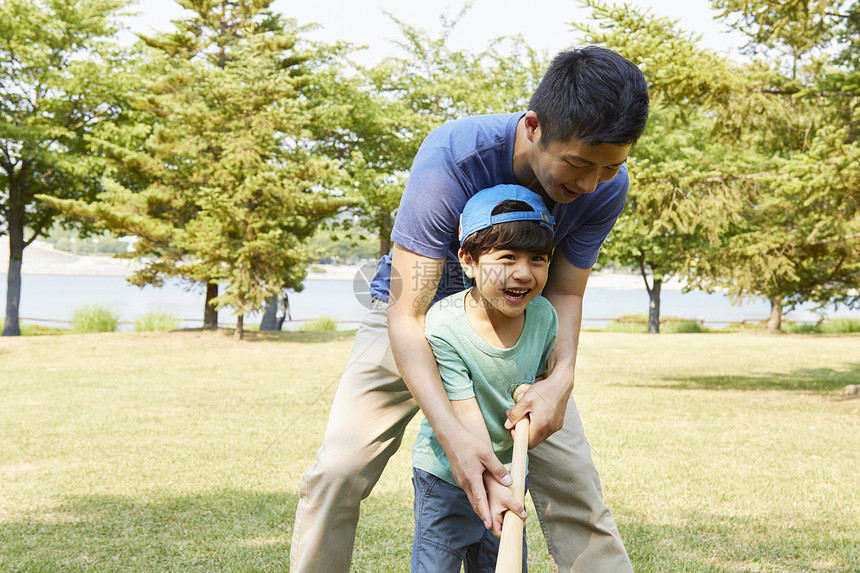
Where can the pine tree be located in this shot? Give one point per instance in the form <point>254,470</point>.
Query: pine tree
<point>798,239</point>
<point>233,184</point>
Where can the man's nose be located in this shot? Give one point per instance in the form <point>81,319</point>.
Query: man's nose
<point>588,180</point>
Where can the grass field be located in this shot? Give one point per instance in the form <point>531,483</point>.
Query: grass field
<point>183,451</point>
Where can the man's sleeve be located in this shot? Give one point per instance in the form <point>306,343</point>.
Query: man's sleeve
<point>429,214</point>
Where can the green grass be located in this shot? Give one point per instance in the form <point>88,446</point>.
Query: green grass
<point>324,323</point>
<point>638,324</point>
<point>840,326</point>
<point>183,451</point>
<point>94,318</point>
<point>799,328</point>
<point>682,327</point>
<point>629,324</point>
<point>36,329</point>
<point>156,321</point>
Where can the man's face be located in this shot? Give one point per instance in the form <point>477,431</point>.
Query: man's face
<point>569,169</point>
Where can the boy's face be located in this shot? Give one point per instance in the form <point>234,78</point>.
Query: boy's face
<point>507,280</point>
<point>567,169</point>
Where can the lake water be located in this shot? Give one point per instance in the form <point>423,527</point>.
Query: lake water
<point>52,299</point>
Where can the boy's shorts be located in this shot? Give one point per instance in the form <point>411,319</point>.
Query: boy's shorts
<point>448,532</point>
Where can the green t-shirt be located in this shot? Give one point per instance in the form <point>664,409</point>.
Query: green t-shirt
<point>470,366</point>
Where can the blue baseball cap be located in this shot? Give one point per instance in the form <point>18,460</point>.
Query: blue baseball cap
<point>477,214</point>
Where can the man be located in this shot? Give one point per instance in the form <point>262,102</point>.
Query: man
<point>570,148</point>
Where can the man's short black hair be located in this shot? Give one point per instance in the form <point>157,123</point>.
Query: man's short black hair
<point>592,95</point>
<point>529,236</point>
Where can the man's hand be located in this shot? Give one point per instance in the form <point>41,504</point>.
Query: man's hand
<point>472,460</point>
<point>545,403</point>
<point>501,499</point>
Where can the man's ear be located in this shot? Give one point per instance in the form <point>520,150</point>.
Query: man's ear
<point>467,263</point>
<point>532,126</point>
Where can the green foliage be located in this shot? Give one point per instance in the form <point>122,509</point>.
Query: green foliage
<point>156,321</point>
<point>674,326</point>
<point>746,177</point>
<point>94,318</point>
<point>798,235</point>
<point>638,324</point>
<point>673,206</point>
<point>38,330</point>
<point>630,324</point>
<point>227,187</point>
<point>384,112</point>
<point>789,28</point>
<point>71,241</point>
<point>798,328</point>
<point>342,247</point>
<point>831,326</point>
<point>797,239</point>
<point>60,78</point>
<point>840,326</point>
<point>324,323</point>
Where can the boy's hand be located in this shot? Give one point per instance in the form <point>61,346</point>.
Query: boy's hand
<point>501,499</point>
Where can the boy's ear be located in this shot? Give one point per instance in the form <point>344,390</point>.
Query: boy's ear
<point>467,263</point>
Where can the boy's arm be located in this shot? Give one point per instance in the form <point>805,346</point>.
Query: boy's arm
<point>500,497</point>
<point>414,280</point>
<point>546,401</point>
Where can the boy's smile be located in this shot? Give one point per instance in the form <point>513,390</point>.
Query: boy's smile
<point>506,281</point>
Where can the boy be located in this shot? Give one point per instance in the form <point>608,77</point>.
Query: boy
<point>486,341</point>
<point>570,148</point>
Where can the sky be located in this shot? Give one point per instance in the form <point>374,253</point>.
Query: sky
<point>544,24</point>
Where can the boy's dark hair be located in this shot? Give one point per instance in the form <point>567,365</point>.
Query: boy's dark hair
<point>592,95</point>
<point>528,236</point>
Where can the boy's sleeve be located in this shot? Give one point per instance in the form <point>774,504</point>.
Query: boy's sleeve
<point>551,335</point>
<point>452,369</point>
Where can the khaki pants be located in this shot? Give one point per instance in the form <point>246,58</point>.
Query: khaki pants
<point>369,415</point>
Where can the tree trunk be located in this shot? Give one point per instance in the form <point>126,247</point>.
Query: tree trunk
<point>774,323</point>
<point>13,297</point>
<point>654,307</point>
<point>654,296</point>
<point>385,235</point>
<point>210,313</point>
<point>270,316</point>
<point>239,333</point>
<point>13,279</point>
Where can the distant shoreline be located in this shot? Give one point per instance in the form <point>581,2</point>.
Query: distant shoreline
<point>41,258</point>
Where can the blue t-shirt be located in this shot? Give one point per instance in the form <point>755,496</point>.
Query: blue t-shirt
<point>462,157</point>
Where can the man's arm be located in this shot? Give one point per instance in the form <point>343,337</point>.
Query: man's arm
<point>414,280</point>
<point>499,497</point>
<point>546,401</point>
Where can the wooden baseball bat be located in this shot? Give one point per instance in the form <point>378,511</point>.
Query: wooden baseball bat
<point>510,558</point>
